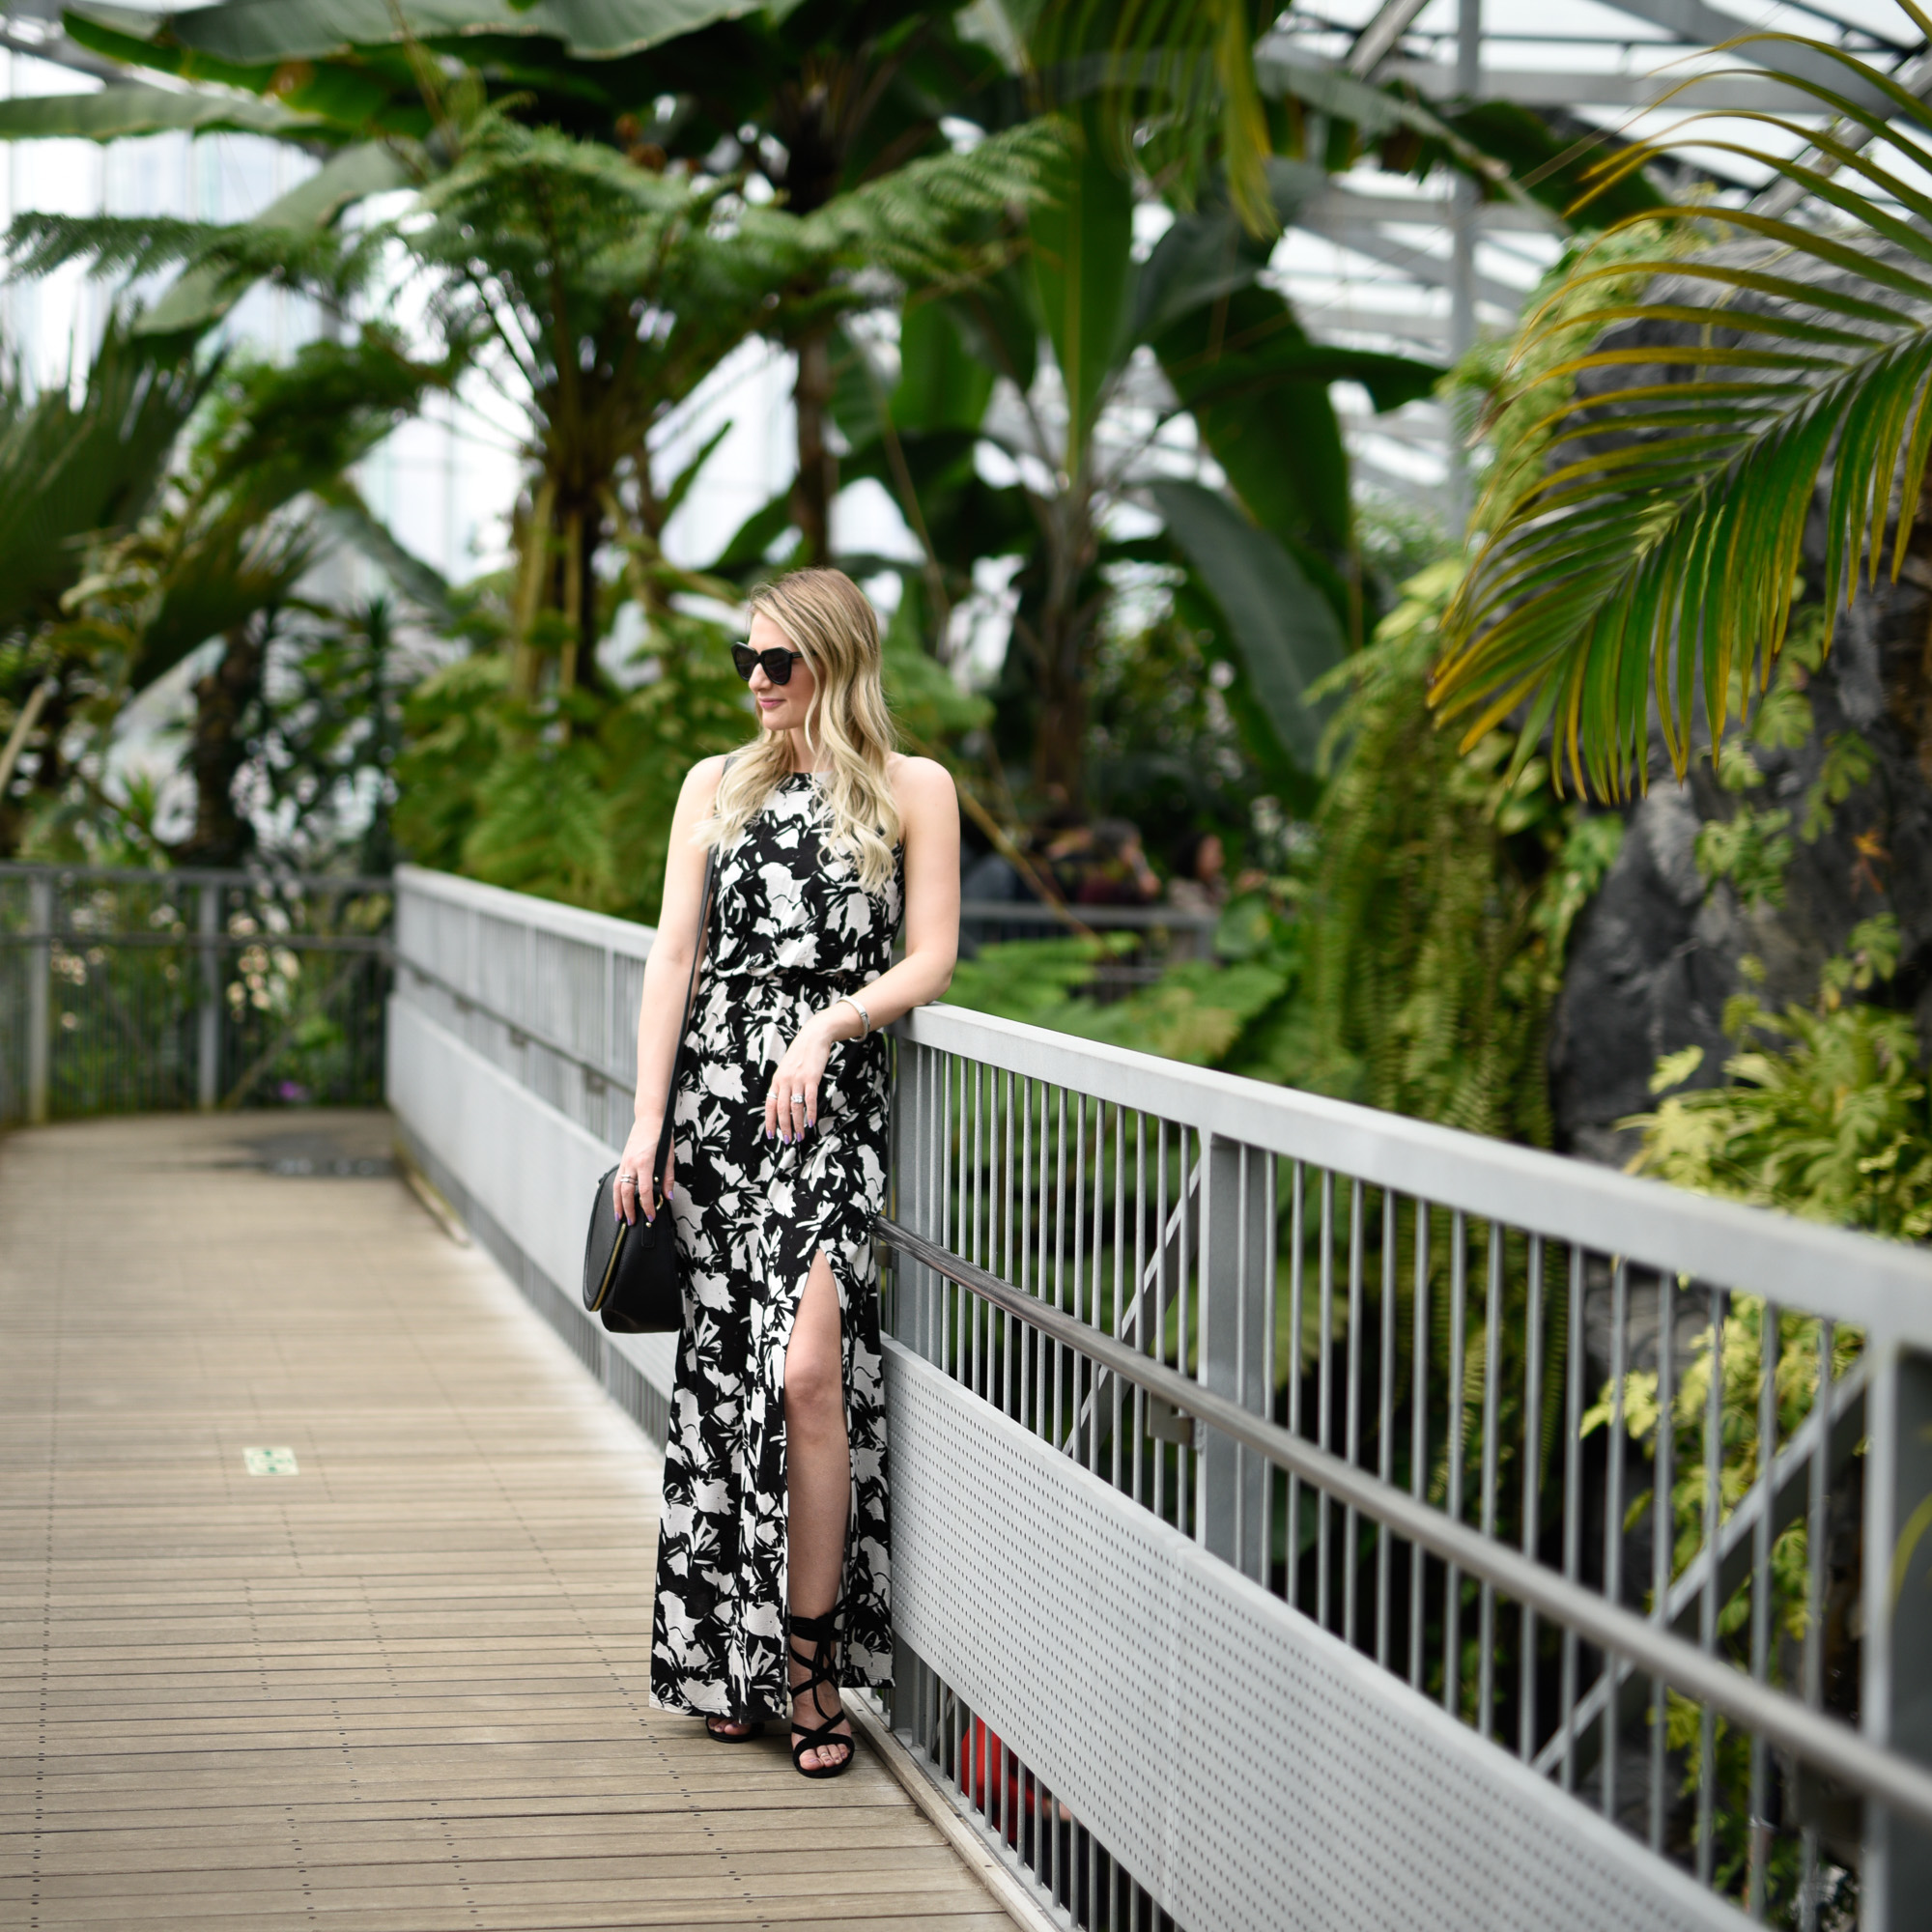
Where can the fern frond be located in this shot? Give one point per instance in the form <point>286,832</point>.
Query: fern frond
<point>130,247</point>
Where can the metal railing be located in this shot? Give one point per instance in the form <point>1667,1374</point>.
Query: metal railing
<point>1273,1533</point>
<point>123,990</point>
<point>1409,1383</point>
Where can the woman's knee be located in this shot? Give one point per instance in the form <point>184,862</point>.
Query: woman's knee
<point>814,1391</point>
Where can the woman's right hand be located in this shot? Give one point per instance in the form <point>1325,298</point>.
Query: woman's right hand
<point>638,1171</point>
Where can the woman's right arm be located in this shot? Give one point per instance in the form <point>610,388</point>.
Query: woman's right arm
<point>666,974</point>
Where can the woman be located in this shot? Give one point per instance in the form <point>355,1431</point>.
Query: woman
<point>771,1586</point>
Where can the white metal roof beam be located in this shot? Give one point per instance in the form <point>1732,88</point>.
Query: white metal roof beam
<point>57,50</point>
<point>1695,21</point>
<point>1377,41</point>
<point>1531,88</point>
<point>1341,203</point>
<point>1436,271</point>
<point>1349,319</point>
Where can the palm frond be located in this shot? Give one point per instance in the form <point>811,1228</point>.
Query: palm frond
<point>1649,569</point>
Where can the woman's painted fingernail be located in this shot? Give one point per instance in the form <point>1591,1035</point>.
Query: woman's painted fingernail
<point>670,1190</point>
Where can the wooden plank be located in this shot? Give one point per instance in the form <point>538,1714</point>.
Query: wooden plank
<point>403,1691</point>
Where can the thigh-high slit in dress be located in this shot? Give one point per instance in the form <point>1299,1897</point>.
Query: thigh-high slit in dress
<point>791,928</point>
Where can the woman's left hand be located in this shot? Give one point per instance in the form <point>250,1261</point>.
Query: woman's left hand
<point>791,1101</point>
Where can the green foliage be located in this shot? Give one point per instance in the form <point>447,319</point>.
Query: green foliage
<point>1440,904</point>
<point>570,799</point>
<point>1792,1356</point>
<point>1194,1011</point>
<point>1750,849</point>
<point>1666,561</point>
<point>1411,962</point>
<point>1848,765</point>
<point>1825,1114</point>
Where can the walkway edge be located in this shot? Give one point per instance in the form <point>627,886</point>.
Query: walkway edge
<point>1013,1897</point>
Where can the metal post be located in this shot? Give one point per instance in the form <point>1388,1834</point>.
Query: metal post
<point>1464,204</point>
<point>1236,1278</point>
<point>40,994</point>
<point>1896,1695</point>
<point>207,1089</point>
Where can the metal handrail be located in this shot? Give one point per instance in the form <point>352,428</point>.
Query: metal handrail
<point>520,1030</point>
<point>204,875</point>
<point>203,942</point>
<point>1883,1287</point>
<point>1821,1740</point>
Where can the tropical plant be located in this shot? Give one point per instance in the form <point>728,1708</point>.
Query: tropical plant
<point>70,468</point>
<point>219,555</point>
<point>1657,553</point>
<point>1824,1111</point>
<point>806,103</point>
<point>1099,356</point>
<point>1438,905</point>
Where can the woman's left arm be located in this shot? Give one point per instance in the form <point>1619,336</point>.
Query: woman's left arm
<point>929,817</point>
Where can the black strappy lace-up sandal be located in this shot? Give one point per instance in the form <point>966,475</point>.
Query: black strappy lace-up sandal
<point>820,1632</point>
<point>755,1727</point>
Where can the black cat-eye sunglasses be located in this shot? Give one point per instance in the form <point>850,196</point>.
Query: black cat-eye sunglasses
<point>778,663</point>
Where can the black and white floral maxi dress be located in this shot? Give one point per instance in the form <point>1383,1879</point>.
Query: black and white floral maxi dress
<point>791,929</point>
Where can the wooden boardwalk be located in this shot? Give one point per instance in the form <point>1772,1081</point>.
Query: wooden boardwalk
<point>403,1689</point>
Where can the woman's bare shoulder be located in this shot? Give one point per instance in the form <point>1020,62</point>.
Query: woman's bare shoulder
<point>700,781</point>
<point>922,783</point>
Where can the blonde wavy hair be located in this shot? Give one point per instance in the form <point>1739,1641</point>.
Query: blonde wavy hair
<point>826,617</point>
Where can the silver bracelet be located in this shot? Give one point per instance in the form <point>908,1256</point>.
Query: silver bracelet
<point>865,1019</point>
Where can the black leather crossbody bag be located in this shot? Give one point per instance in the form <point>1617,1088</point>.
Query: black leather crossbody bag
<point>631,1280</point>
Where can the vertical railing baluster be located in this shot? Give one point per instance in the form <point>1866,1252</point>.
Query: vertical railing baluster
<point>1269,1284</point>
<point>1015,1086</point>
<point>1760,1606</point>
<point>1160,1302</point>
<point>1137,1397</point>
<point>1385,1422</point>
<point>1613,1518</point>
<point>1486,1615</point>
<point>1452,1596</point>
<point>1418,1454</point>
<point>1573,1503</point>
<point>1297,1317</point>
<point>1532,1488</point>
<point>1324,1392</point>
<point>1706,1617</point>
<point>1351,1528</point>
<point>1185,1355</point>
<point>1052,1401</point>
<point>1818,1475</point>
<point>1663,1537</point>
<point>1118,1398</point>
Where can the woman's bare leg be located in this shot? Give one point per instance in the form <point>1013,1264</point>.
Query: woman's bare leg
<point>818,1475</point>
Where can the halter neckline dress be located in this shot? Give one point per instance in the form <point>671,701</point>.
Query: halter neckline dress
<point>791,928</point>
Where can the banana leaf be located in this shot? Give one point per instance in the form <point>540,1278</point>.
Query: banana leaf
<point>1281,625</point>
<point>117,113</point>
<point>286,30</point>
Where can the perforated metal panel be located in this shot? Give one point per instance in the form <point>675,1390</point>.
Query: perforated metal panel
<point>1250,1770</point>
<point>527,1168</point>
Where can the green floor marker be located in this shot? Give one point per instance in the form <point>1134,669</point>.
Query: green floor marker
<point>270,1461</point>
